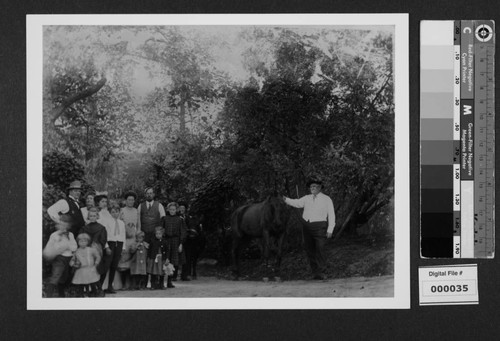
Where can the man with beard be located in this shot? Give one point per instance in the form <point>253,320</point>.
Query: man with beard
<point>150,213</point>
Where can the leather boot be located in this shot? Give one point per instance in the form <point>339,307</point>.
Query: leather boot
<point>99,292</point>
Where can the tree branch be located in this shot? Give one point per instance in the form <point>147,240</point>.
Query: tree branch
<point>168,114</point>
<point>381,89</point>
<point>136,55</point>
<point>326,78</point>
<point>347,220</point>
<point>158,30</point>
<point>69,100</point>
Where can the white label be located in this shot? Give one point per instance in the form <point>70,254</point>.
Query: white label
<point>457,246</point>
<point>452,284</point>
<point>456,187</point>
<point>467,218</point>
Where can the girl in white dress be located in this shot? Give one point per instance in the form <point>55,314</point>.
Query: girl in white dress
<point>85,260</point>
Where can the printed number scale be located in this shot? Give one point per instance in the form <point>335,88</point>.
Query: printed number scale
<point>457,138</point>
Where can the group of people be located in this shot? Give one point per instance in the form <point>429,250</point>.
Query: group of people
<point>93,242</point>
<point>147,243</point>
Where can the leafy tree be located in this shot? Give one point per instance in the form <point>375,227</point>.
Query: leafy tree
<point>192,79</point>
<point>87,114</point>
<point>316,102</point>
<point>319,111</point>
<point>60,170</point>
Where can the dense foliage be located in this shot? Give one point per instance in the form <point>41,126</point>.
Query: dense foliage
<point>60,169</point>
<point>167,107</point>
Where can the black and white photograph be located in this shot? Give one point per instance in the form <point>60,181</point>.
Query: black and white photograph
<point>218,162</point>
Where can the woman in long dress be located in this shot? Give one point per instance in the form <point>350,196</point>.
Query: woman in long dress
<point>129,215</point>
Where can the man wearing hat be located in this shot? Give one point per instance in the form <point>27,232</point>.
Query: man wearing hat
<point>318,222</point>
<point>69,206</point>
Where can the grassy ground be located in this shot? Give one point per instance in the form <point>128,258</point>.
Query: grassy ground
<point>346,257</point>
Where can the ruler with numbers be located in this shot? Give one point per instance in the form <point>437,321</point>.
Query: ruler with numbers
<point>457,138</point>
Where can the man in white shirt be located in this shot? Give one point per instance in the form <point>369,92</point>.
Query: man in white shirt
<point>318,222</point>
<point>69,206</point>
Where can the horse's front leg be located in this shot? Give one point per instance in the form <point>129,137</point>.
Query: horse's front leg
<point>196,254</point>
<point>235,247</point>
<point>265,246</point>
<point>277,273</point>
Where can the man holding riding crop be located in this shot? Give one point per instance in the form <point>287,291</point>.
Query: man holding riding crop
<point>318,222</point>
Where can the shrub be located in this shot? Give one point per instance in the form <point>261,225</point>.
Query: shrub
<point>60,169</point>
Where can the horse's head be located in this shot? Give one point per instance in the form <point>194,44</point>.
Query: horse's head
<point>277,209</point>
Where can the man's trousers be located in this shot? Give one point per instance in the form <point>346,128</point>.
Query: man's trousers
<point>314,236</point>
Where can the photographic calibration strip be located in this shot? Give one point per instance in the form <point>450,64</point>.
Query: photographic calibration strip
<point>448,284</point>
<point>457,139</point>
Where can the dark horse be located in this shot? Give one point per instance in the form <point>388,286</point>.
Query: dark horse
<point>262,220</point>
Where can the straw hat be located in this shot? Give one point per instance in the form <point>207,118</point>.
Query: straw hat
<point>75,185</point>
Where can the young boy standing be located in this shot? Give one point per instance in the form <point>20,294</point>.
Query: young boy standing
<point>116,239</point>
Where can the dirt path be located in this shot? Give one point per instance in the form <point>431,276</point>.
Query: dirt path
<point>382,286</point>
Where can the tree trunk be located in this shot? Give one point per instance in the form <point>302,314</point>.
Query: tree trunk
<point>182,116</point>
<point>87,147</point>
<point>353,204</point>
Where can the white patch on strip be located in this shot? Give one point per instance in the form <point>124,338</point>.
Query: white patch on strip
<point>467,218</point>
<point>436,32</point>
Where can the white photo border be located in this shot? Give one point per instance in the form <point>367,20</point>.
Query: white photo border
<point>34,29</point>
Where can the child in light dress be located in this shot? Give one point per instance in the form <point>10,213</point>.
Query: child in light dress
<point>85,260</point>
